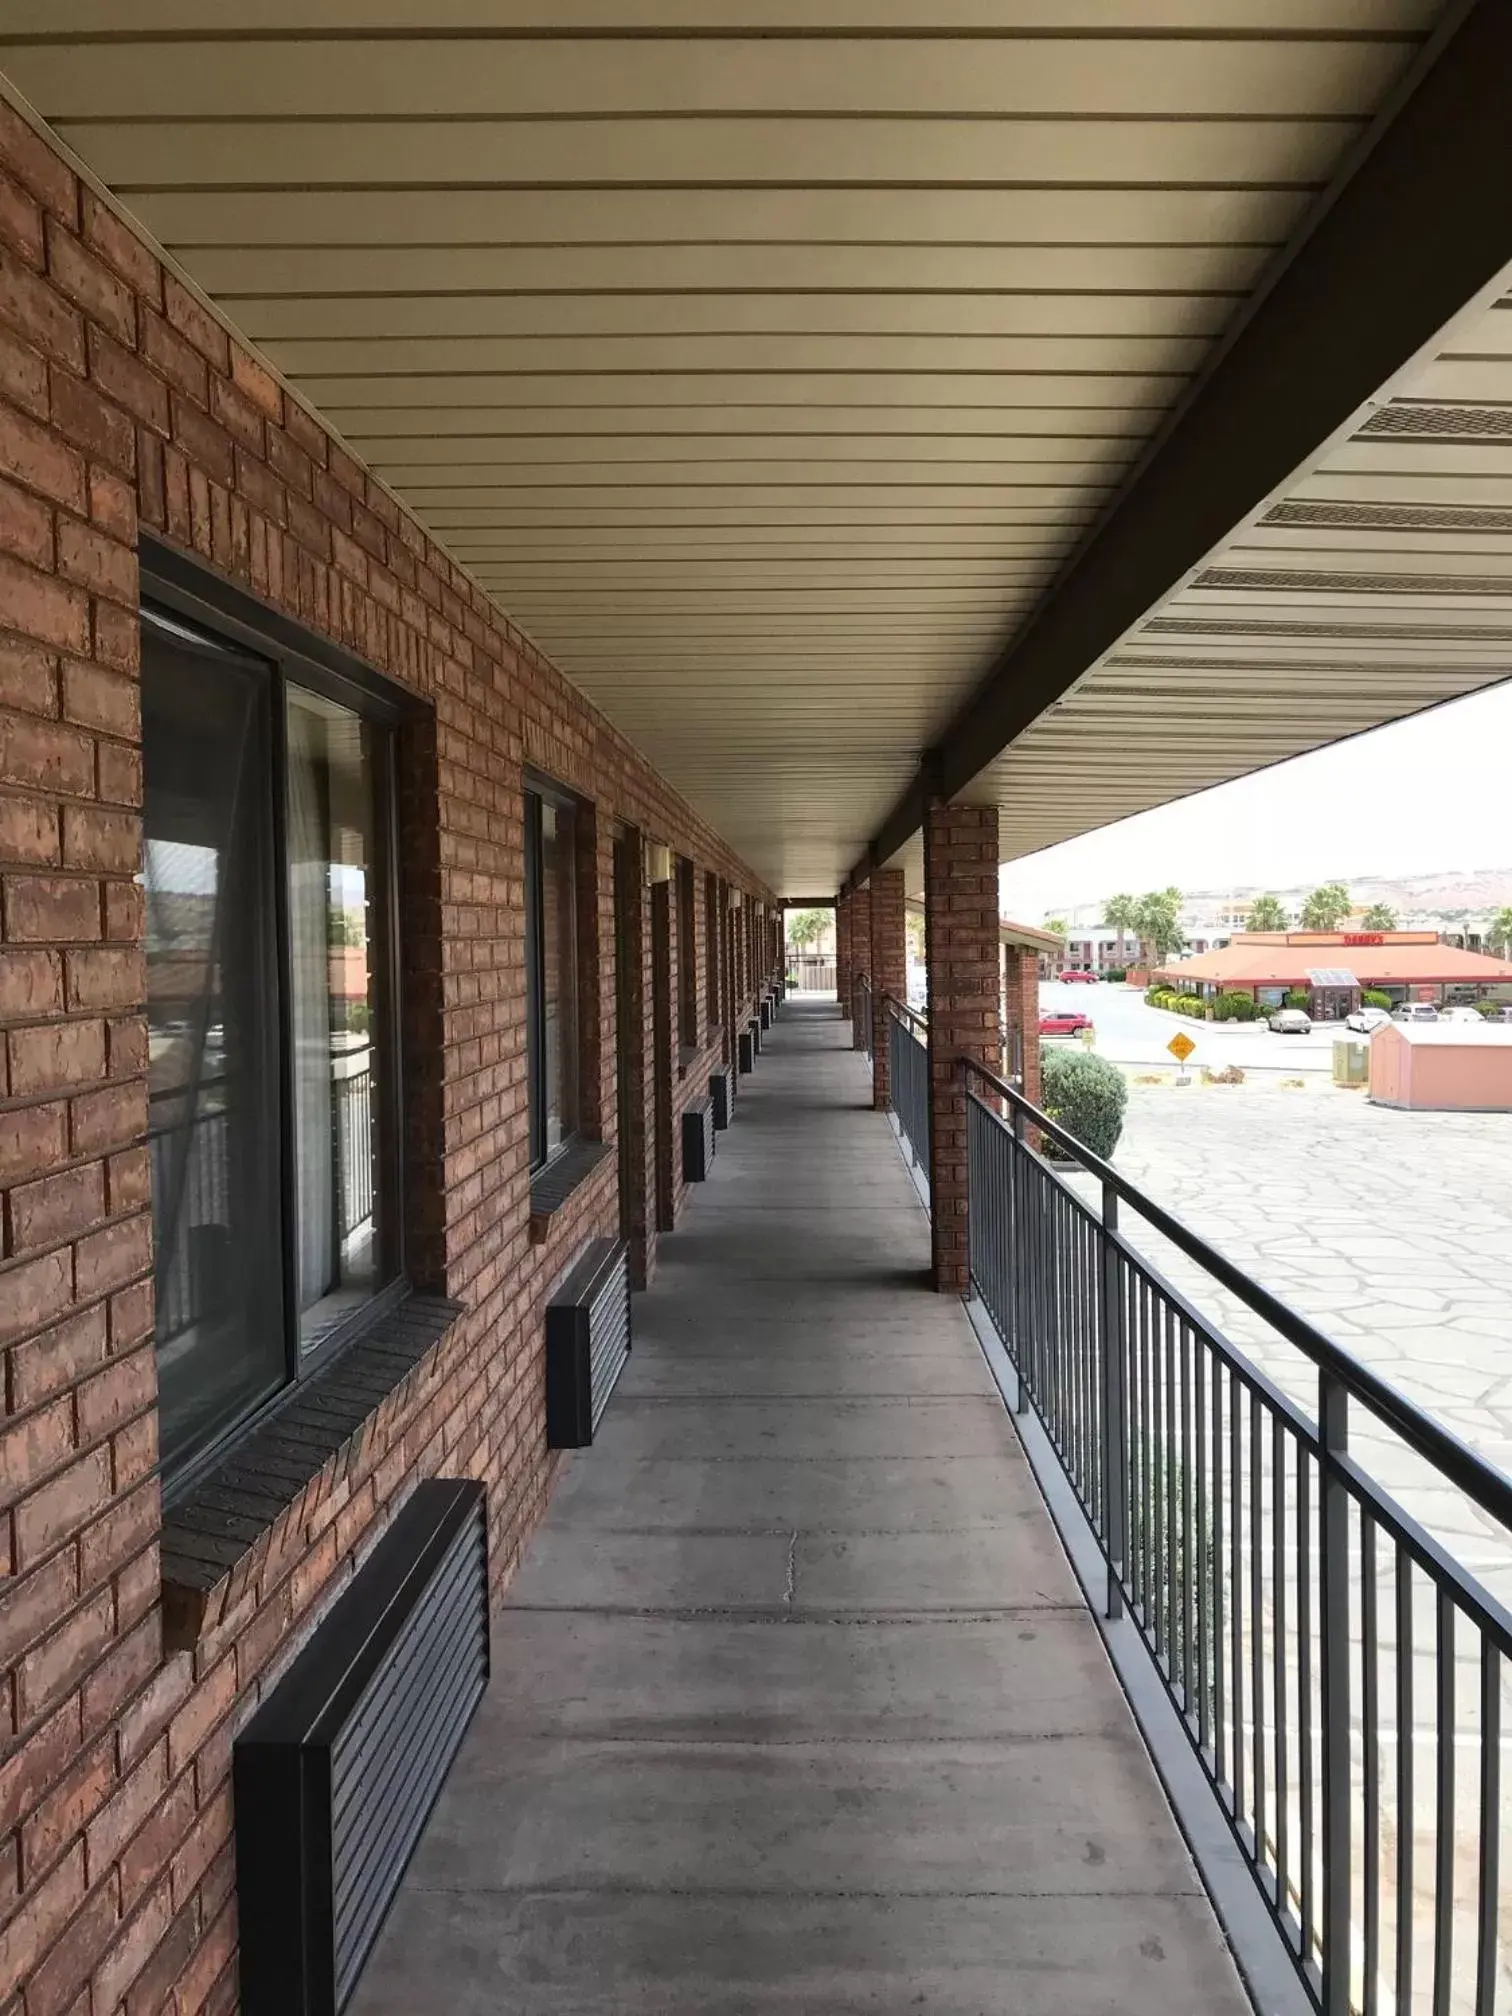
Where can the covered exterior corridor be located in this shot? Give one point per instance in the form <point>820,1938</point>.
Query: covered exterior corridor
<point>797,1704</point>
<point>498,499</point>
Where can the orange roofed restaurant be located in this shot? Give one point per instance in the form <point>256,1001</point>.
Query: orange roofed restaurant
<point>1335,966</point>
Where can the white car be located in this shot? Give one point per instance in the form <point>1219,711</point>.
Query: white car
<point>1463,1014</point>
<point>1415,1011</point>
<point>1291,1022</point>
<point>1367,1020</point>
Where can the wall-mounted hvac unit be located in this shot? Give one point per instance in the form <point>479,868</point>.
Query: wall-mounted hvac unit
<point>745,1051</point>
<point>336,1773</point>
<point>719,1097</point>
<point>698,1139</point>
<point>587,1342</point>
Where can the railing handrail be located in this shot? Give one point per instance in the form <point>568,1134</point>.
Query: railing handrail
<point>902,1010</point>
<point>1481,1481</point>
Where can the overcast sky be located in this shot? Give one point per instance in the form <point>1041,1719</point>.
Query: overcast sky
<point>1430,793</point>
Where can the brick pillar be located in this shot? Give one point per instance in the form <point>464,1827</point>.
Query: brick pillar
<point>1021,1018</point>
<point>889,957</point>
<point>844,981</point>
<point>962,955</point>
<point>860,930</point>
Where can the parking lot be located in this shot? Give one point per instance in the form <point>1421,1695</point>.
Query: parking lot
<point>1132,1033</point>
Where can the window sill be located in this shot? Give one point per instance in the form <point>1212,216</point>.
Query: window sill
<point>687,1056</point>
<point>553,1186</point>
<point>218,1538</point>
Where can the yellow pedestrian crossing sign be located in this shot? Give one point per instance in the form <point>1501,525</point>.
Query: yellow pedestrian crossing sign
<point>1181,1046</point>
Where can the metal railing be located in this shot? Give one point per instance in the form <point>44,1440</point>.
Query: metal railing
<point>353,1117</point>
<point>1339,1673</point>
<point>862,1013</point>
<point>908,1076</point>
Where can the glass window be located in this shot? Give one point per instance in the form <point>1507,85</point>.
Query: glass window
<point>551,953</point>
<point>335,1006</point>
<point>271,1064</point>
<point>711,946</point>
<point>687,958</point>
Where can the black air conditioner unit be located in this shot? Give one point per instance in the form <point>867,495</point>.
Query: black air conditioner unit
<point>719,1097</point>
<point>587,1342</point>
<point>766,1011</point>
<point>336,1773</point>
<point>745,1051</point>
<point>698,1139</point>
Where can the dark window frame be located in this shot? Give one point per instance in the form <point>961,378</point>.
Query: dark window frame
<point>685,885</point>
<point>711,948</point>
<point>539,791</point>
<point>201,613</point>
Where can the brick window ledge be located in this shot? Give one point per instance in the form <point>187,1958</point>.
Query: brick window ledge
<point>257,1506</point>
<point>558,1182</point>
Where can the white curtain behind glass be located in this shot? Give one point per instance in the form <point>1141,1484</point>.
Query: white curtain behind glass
<point>309,977</point>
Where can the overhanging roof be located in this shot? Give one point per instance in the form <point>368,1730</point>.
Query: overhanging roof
<point>768,364</point>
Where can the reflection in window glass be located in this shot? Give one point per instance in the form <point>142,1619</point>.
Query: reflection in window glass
<point>551,954</point>
<point>212,1129</point>
<point>335,1008</point>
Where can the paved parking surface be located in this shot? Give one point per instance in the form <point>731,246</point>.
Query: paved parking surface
<point>1131,1032</point>
<point>1391,1231</point>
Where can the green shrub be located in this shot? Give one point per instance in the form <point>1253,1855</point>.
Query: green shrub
<point>1116,973</point>
<point>1087,1095</point>
<point>1297,997</point>
<point>1235,1007</point>
<point>1372,997</point>
<point>1488,1008</point>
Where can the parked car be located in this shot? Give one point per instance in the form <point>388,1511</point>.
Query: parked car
<point>1291,1022</point>
<point>1063,1022</point>
<point>1367,1020</point>
<point>1462,1014</point>
<point>1415,1011</point>
<point>1077,973</point>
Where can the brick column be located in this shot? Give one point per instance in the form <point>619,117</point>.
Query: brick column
<point>860,938</point>
<point>1021,1018</point>
<point>889,957</point>
<point>962,955</point>
<point>844,976</point>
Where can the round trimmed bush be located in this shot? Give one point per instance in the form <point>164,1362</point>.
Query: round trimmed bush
<point>1234,1007</point>
<point>1087,1095</point>
<point>1372,997</point>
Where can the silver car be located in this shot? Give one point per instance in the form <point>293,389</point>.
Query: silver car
<point>1365,1021</point>
<point>1291,1022</point>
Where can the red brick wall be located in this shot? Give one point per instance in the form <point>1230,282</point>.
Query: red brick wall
<point>887,942</point>
<point>844,971</point>
<point>125,404</point>
<point>961,950</point>
<point>861,955</point>
<point>1021,1001</point>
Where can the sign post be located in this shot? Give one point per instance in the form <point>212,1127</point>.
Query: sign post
<point>1181,1047</point>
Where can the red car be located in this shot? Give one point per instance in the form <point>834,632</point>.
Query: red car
<point>1076,973</point>
<point>1064,1022</point>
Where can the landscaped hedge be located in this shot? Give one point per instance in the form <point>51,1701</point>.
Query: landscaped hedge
<point>1087,1095</point>
<point>1235,1007</point>
<point>1116,973</point>
<point>1298,997</point>
<point>1177,1004</point>
<point>1372,997</point>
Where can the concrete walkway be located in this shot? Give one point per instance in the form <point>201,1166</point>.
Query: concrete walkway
<point>795,1703</point>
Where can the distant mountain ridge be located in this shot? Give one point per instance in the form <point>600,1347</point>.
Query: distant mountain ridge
<point>1471,889</point>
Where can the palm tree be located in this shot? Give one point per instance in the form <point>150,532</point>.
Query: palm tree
<point>1265,914</point>
<point>1326,908</point>
<point>1499,932</point>
<point>1379,917</point>
<point>1119,915</point>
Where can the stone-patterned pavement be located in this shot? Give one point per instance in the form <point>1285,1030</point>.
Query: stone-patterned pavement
<point>1391,1231</point>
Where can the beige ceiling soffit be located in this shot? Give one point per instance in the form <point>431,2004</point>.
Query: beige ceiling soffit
<point>23,107</point>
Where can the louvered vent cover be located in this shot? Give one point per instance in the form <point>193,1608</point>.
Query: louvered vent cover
<point>1396,517</point>
<point>698,1139</point>
<point>766,1013</point>
<point>756,1028</point>
<point>719,1097</point>
<point>337,1772</point>
<point>587,1342</point>
<point>1464,423</point>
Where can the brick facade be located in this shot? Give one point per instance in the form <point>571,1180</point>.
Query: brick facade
<point>1021,1035</point>
<point>845,981</point>
<point>963,955</point>
<point>125,406</point>
<point>887,941</point>
<point>861,957</point>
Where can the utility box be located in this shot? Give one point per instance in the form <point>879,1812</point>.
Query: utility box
<point>1351,1062</point>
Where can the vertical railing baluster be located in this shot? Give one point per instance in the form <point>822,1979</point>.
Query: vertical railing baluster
<point>1236,1588</point>
<point>1307,1811</point>
<point>1443,1828</point>
<point>1257,1624</point>
<point>1489,1900</point>
<point>1114,1401</point>
<point>1333,1438</point>
<point>1278,1670</point>
<point>1370,1738</point>
<point>1406,1790</point>
<point>1204,1555</point>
